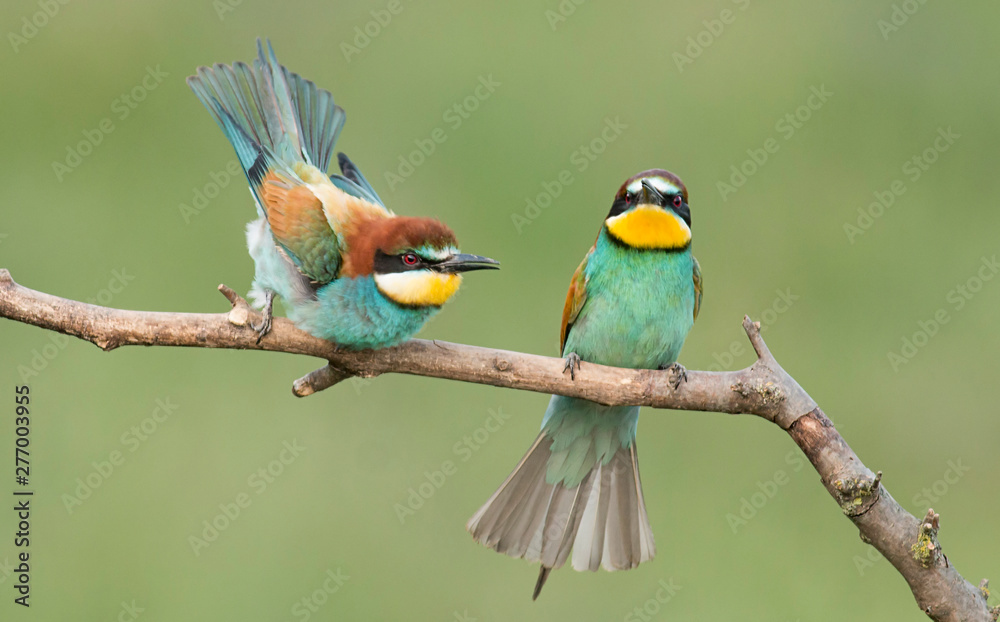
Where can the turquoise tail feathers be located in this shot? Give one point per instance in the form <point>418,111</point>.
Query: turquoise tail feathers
<point>584,434</point>
<point>265,109</point>
<point>280,111</point>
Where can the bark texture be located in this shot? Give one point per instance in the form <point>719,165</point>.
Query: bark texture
<point>764,389</point>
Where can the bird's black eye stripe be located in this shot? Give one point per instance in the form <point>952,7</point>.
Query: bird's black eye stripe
<point>407,260</point>
<point>675,202</point>
<point>682,210</point>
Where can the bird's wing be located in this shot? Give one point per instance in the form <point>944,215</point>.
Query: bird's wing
<point>697,287</point>
<point>300,227</point>
<point>575,299</point>
<point>309,215</point>
<point>291,197</point>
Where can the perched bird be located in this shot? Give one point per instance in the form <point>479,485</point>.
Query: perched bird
<point>347,268</point>
<point>631,303</point>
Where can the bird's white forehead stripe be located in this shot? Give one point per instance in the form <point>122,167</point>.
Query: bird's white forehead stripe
<point>664,186</point>
<point>440,254</point>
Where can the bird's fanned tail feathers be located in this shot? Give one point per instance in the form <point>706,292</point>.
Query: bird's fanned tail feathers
<point>602,520</point>
<point>280,111</point>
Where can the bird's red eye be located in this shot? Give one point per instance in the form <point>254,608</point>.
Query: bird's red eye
<point>678,200</point>
<point>628,198</point>
<point>410,259</point>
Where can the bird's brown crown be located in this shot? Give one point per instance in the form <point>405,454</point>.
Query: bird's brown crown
<point>391,236</point>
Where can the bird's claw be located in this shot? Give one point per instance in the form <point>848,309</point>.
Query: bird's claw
<point>263,328</point>
<point>267,317</point>
<point>676,374</point>
<point>572,365</point>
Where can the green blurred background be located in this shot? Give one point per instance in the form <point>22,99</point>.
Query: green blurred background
<point>743,530</point>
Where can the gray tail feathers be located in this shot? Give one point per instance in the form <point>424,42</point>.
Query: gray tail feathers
<point>279,111</point>
<point>602,520</point>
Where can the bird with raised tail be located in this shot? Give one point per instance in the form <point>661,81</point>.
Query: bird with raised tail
<point>631,303</point>
<point>347,268</point>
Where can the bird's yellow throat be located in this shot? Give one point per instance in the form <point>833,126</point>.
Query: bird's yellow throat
<point>649,227</point>
<point>419,288</point>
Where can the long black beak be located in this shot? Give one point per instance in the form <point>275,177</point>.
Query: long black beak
<point>466,263</point>
<point>651,195</point>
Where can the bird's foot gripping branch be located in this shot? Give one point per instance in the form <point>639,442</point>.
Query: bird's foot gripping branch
<point>763,389</point>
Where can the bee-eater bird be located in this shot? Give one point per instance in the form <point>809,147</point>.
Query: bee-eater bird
<point>347,268</point>
<point>631,303</point>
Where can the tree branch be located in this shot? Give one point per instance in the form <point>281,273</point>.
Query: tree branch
<point>763,389</point>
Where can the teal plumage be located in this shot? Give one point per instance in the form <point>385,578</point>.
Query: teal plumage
<point>347,268</point>
<point>353,311</point>
<point>619,327</point>
<point>639,309</point>
<point>631,304</point>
